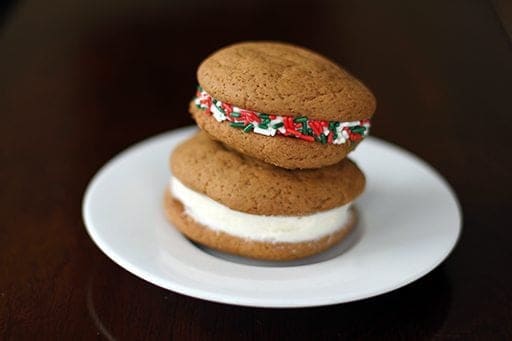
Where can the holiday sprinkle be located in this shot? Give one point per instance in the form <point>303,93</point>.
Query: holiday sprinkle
<point>300,127</point>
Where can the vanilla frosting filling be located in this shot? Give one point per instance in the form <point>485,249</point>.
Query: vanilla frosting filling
<point>264,228</point>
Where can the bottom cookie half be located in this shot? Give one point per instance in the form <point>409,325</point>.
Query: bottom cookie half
<point>224,242</point>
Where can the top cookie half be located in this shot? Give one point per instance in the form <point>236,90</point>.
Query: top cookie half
<point>282,104</point>
<point>277,78</point>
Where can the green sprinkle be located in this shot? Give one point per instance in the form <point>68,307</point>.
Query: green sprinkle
<point>263,126</point>
<point>300,119</point>
<point>323,139</point>
<point>358,129</point>
<point>332,126</point>
<point>199,88</point>
<point>336,124</point>
<point>263,116</point>
<point>235,114</point>
<point>237,124</point>
<point>277,125</point>
<point>310,132</point>
<point>248,128</point>
<point>265,120</point>
<point>305,127</point>
<point>198,106</point>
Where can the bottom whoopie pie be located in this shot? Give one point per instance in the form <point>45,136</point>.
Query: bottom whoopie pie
<point>239,205</point>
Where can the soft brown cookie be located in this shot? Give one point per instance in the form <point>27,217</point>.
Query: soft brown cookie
<point>249,248</point>
<point>251,186</point>
<point>279,78</point>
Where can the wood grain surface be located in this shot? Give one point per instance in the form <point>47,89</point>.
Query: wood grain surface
<point>82,80</point>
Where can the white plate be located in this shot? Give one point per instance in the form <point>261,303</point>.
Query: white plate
<point>409,222</point>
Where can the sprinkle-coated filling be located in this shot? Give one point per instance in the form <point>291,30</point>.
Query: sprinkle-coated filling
<point>325,132</point>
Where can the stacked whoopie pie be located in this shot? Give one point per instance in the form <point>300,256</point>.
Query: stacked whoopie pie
<point>267,176</point>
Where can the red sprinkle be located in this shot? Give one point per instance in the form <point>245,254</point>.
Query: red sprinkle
<point>252,116</point>
<point>206,102</point>
<point>306,137</point>
<point>317,129</point>
<point>227,108</point>
<point>355,137</point>
<point>288,123</point>
<point>292,132</point>
<point>244,117</point>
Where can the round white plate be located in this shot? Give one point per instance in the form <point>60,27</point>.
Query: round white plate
<point>409,222</point>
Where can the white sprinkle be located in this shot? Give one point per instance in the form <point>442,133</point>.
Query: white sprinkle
<point>217,114</point>
<point>267,132</point>
<point>339,140</point>
<point>278,119</point>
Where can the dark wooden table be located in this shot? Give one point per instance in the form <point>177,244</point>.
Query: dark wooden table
<point>80,81</point>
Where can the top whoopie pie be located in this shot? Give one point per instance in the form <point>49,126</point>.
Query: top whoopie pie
<point>282,104</point>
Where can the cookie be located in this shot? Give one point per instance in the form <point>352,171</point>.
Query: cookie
<point>233,203</point>
<point>289,97</point>
<point>251,186</point>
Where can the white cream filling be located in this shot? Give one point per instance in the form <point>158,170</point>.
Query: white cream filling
<point>292,229</point>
